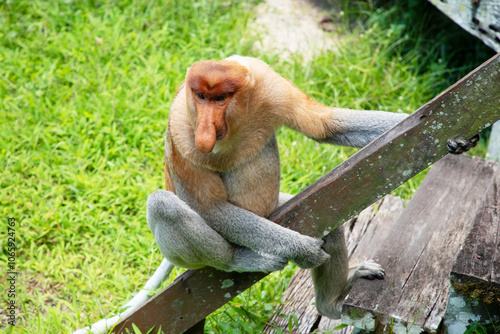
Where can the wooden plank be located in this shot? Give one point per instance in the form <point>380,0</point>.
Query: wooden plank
<point>190,295</point>
<point>419,253</point>
<point>476,273</point>
<point>480,18</point>
<point>363,235</point>
<point>464,109</point>
<point>475,277</point>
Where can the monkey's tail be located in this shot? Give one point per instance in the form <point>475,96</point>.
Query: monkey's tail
<point>152,284</point>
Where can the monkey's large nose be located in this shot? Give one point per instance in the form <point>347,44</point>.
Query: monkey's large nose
<point>210,127</point>
<point>205,138</point>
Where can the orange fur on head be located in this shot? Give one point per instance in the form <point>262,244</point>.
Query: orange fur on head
<point>211,86</point>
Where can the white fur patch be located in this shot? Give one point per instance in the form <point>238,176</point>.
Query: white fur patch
<point>240,60</point>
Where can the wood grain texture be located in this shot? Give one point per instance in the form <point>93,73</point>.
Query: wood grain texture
<point>476,273</point>
<point>464,109</point>
<point>422,247</point>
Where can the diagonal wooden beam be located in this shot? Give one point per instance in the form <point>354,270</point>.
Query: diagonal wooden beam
<point>464,109</point>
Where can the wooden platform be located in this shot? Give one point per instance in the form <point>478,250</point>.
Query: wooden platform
<point>454,212</point>
<point>475,277</point>
<point>480,18</point>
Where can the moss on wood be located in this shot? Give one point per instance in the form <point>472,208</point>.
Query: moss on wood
<point>476,290</point>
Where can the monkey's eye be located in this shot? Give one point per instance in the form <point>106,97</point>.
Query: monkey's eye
<point>201,96</point>
<point>220,98</point>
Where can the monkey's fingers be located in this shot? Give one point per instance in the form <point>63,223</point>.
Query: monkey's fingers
<point>460,145</point>
<point>474,140</point>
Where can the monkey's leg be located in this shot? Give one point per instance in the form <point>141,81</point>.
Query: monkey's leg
<point>247,229</point>
<point>187,241</point>
<point>331,281</point>
<point>331,277</point>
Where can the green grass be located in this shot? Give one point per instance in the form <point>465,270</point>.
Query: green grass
<point>85,88</point>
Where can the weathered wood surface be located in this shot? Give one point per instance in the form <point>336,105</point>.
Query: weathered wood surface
<point>476,273</point>
<point>421,250</point>
<point>464,109</point>
<point>475,277</point>
<point>364,234</point>
<point>480,18</point>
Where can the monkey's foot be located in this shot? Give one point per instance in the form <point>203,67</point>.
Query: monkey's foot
<point>460,145</point>
<point>370,270</point>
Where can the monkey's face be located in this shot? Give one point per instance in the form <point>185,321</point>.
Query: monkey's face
<point>211,124</point>
<point>213,90</point>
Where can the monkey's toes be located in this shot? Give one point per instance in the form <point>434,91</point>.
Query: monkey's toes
<point>371,270</point>
<point>376,275</point>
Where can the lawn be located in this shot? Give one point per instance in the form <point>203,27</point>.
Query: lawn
<point>85,89</point>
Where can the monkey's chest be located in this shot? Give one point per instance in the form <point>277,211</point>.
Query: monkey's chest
<point>254,187</point>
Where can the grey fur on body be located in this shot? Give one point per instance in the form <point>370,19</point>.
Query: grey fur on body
<point>187,241</point>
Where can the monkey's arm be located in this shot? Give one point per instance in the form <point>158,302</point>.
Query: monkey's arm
<point>296,110</point>
<point>245,228</point>
<point>339,126</point>
<point>357,128</point>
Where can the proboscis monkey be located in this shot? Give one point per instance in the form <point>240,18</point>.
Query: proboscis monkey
<point>222,174</point>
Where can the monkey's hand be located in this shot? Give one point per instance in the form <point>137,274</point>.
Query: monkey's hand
<point>311,255</point>
<point>460,145</point>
